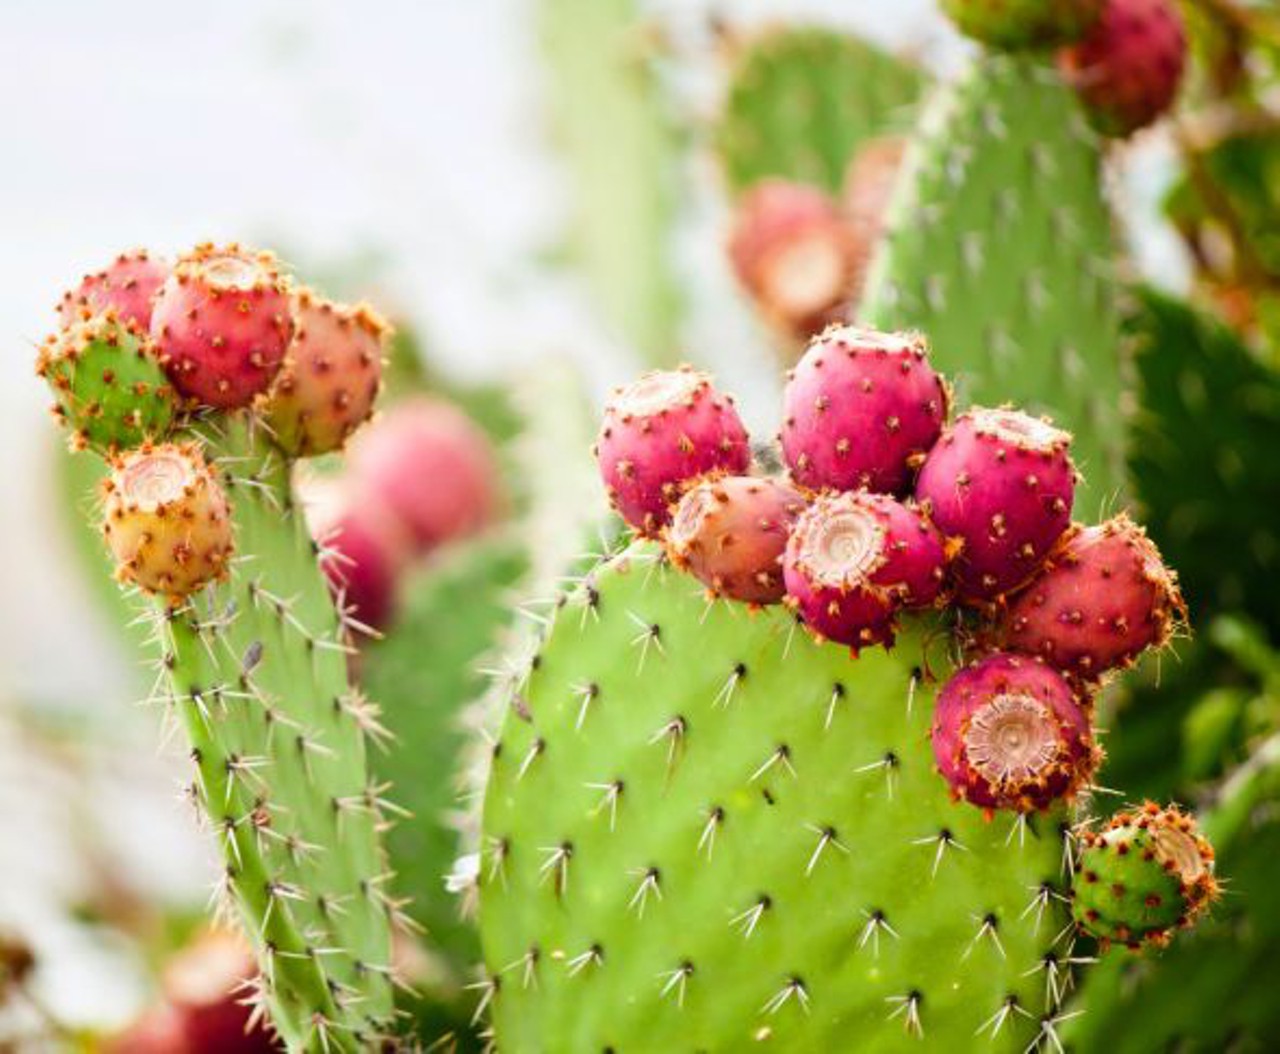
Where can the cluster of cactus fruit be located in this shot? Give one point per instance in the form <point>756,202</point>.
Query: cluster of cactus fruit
<point>201,382</point>
<point>665,799</point>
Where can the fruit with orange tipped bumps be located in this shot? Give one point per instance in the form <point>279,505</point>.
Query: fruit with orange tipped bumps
<point>127,285</point>
<point>223,321</point>
<point>1144,874</point>
<point>166,520</point>
<point>110,389</point>
<point>659,433</point>
<point>331,375</point>
<point>729,533</point>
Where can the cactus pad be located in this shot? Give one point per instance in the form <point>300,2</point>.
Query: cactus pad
<point>705,830</point>
<point>999,246</point>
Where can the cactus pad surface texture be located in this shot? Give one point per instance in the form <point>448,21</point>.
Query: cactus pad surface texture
<point>704,831</point>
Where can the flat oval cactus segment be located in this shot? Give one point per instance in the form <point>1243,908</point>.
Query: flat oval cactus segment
<point>704,830</point>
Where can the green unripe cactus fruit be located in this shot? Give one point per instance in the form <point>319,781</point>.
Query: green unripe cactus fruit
<point>999,246</point>
<point>705,830</point>
<point>1024,23</point>
<point>110,389</point>
<point>801,101</point>
<point>1142,876</point>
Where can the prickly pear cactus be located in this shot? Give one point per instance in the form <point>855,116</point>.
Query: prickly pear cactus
<point>704,830</point>
<point>801,100</point>
<point>999,245</point>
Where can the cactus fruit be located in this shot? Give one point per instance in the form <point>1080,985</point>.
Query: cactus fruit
<point>110,389</point>
<point>128,286</point>
<point>431,467</point>
<point>1011,733</point>
<point>331,375</point>
<point>1024,23</point>
<point>1143,875</point>
<point>222,320</point>
<point>660,432</point>
<point>1103,598</point>
<point>861,409</point>
<point>165,520</point>
<point>1129,66</point>
<point>854,560</point>
<point>729,533</point>
<point>1002,482</point>
<point>364,553</point>
<point>794,254</point>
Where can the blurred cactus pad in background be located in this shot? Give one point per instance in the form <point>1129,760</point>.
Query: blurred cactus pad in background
<point>925,698</point>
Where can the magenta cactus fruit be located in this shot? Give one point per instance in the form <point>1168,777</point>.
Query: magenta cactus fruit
<point>431,467</point>
<point>861,409</point>
<point>166,520</point>
<point>660,432</point>
<point>1129,66</point>
<point>730,533</point>
<point>854,560</point>
<point>127,285</point>
<point>1104,597</point>
<point>1011,733</point>
<point>222,322</point>
<point>331,375</point>
<point>362,557</point>
<point>869,182</point>
<point>794,254</point>
<point>1002,483</point>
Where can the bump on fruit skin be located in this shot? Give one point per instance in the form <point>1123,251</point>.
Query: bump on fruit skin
<point>127,285</point>
<point>854,560</point>
<point>166,520</point>
<point>793,252</point>
<point>730,532</point>
<point>1103,598</point>
<point>1146,873</point>
<point>1017,24</point>
<point>1128,68</point>
<point>1002,482</point>
<point>431,466</point>
<point>223,322</point>
<point>861,409</point>
<point>869,183</point>
<point>1011,733</point>
<point>110,389</point>
<point>663,430</point>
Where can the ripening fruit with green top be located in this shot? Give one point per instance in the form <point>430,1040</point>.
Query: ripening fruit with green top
<point>1148,872</point>
<point>110,387</point>
<point>1017,24</point>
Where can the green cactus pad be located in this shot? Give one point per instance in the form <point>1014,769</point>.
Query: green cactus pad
<point>1202,459</point>
<point>1024,23</point>
<point>999,247</point>
<point>801,100</point>
<point>109,386</point>
<point>256,674</point>
<point>1142,876</point>
<point>703,830</point>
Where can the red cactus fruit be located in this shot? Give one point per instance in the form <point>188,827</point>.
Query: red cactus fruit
<point>793,252</point>
<point>661,431</point>
<point>1128,67</point>
<point>869,182</point>
<point>432,467</point>
<point>854,560</point>
<point>206,982</point>
<point>861,409</point>
<point>222,321</point>
<point>1104,597</point>
<point>1010,733</point>
<point>166,520</point>
<point>730,532</point>
<point>127,285</point>
<point>1002,483</point>
<point>331,375</point>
